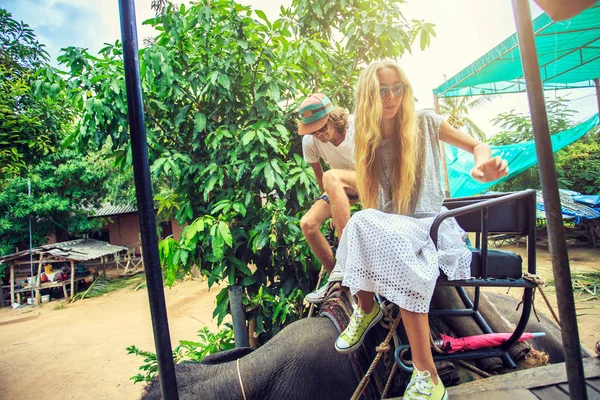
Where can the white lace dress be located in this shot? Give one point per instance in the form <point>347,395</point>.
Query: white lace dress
<point>392,254</point>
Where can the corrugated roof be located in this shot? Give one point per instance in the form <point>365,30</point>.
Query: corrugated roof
<point>110,209</point>
<point>73,250</point>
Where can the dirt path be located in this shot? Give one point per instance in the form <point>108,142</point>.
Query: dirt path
<point>78,352</point>
<point>588,311</point>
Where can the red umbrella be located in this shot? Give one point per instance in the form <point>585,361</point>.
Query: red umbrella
<point>452,345</point>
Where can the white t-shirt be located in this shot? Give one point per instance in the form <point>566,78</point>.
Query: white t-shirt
<point>338,157</point>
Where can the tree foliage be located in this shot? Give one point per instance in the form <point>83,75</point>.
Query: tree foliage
<point>35,117</point>
<point>577,165</point>
<point>64,187</point>
<point>221,85</point>
<point>516,127</point>
<point>456,109</point>
<point>32,114</point>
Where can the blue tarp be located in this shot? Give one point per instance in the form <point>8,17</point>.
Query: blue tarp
<point>591,200</point>
<point>520,157</point>
<point>570,207</point>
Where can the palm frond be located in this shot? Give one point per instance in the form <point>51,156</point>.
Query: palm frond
<point>480,101</point>
<point>473,130</point>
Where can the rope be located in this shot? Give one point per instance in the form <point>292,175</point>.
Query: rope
<point>474,368</point>
<point>389,381</point>
<point>240,379</point>
<point>539,282</point>
<point>388,319</point>
<point>386,322</point>
<point>384,347</point>
<point>312,306</point>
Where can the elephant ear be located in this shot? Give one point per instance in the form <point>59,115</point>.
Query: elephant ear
<point>227,355</point>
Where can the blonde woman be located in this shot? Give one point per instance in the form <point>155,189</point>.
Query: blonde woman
<point>386,248</point>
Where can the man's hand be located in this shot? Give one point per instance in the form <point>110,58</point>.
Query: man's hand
<point>490,170</point>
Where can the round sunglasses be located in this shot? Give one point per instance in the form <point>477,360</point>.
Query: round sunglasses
<point>397,90</point>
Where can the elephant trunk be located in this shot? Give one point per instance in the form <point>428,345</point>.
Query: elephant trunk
<point>198,381</point>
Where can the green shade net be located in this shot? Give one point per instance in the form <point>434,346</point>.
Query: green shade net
<point>520,157</point>
<point>568,54</point>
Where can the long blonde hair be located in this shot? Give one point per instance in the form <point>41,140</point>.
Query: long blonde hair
<point>367,137</point>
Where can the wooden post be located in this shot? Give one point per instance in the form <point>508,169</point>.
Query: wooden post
<point>597,84</point>
<point>436,105</point>
<point>38,281</point>
<point>142,254</point>
<point>72,279</point>
<point>547,172</point>
<point>12,284</point>
<point>65,292</point>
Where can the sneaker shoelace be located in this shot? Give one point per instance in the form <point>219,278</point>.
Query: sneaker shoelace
<point>355,321</point>
<point>420,386</point>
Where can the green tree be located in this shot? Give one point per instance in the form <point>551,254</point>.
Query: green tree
<point>221,84</point>
<point>65,187</point>
<point>31,117</point>
<point>456,110</point>
<point>577,165</point>
<point>516,127</point>
<point>36,116</point>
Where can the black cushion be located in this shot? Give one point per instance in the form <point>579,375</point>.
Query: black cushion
<point>500,264</point>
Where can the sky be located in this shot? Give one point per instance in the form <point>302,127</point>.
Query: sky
<point>466,29</point>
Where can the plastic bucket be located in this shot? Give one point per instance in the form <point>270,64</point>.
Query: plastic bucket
<point>45,298</point>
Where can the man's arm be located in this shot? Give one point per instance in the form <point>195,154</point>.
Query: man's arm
<point>318,170</point>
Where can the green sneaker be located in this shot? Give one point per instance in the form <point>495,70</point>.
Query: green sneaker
<point>421,387</point>
<point>355,332</point>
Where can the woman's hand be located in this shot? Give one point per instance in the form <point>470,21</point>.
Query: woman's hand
<point>490,170</point>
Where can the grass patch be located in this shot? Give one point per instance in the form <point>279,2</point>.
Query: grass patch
<point>585,284</point>
<point>102,286</point>
<point>59,306</point>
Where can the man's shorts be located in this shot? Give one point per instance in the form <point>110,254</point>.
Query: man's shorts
<point>351,197</point>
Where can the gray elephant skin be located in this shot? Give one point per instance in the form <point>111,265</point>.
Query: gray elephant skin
<point>302,363</point>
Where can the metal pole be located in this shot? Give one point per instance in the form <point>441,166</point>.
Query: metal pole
<point>238,315</point>
<point>436,105</point>
<point>556,232</point>
<point>143,191</point>
<point>597,84</point>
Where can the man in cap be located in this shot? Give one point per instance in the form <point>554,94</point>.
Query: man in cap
<point>328,134</point>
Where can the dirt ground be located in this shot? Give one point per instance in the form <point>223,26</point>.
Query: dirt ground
<point>79,351</point>
<point>581,259</point>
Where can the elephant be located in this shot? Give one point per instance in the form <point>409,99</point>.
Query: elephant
<point>301,363</point>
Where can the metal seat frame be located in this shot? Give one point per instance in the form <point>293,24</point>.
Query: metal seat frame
<point>512,213</point>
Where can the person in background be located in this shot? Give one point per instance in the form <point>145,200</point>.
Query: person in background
<point>328,135</point>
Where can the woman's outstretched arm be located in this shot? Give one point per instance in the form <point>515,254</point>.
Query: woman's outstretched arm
<point>486,168</point>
